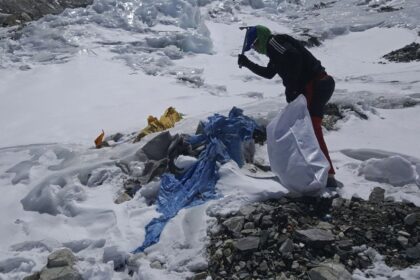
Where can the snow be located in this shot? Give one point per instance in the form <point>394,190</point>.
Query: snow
<point>110,66</point>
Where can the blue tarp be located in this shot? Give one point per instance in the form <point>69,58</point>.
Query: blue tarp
<point>223,137</point>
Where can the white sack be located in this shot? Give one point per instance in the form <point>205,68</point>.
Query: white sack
<point>294,152</point>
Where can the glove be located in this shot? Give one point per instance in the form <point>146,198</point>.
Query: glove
<point>243,60</point>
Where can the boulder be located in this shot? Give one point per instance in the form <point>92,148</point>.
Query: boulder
<point>411,219</point>
<point>60,273</point>
<point>377,195</point>
<point>60,258</point>
<point>414,252</point>
<point>329,271</point>
<point>286,247</point>
<point>315,236</point>
<point>247,243</point>
<point>234,224</point>
<point>119,257</point>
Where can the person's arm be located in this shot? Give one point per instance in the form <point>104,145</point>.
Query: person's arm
<point>265,72</point>
<point>291,77</point>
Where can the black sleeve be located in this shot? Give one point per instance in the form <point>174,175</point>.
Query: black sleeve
<point>293,60</point>
<point>265,72</point>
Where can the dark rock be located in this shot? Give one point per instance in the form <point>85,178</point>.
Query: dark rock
<point>412,219</point>
<point>286,247</point>
<point>199,276</point>
<point>329,271</point>
<point>235,224</point>
<point>35,276</point>
<point>263,266</point>
<point>119,257</point>
<point>396,278</point>
<point>281,247</point>
<point>21,11</point>
<point>315,236</point>
<point>414,252</point>
<point>408,53</point>
<point>59,267</point>
<point>249,225</point>
<point>386,9</point>
<point>403,241</point>
<point>246,210</point>
<point>266,221</point>
<point>60,273</point>
<point>377,195</point>
<point>345,244</point>
<point>247,243</point>
<point>60,258</point>
<point>337,202</point>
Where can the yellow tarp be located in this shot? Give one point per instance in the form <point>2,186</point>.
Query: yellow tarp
<point>167,120</point>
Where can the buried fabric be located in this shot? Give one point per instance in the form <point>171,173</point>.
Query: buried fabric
<point>223,138</point>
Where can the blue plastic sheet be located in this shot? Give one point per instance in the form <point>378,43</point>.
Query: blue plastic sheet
<point>223,137</point>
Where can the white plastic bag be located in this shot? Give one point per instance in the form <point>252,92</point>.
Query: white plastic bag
<point>293,150</point>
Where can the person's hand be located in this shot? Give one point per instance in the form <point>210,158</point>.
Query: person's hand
<point>243,60</point>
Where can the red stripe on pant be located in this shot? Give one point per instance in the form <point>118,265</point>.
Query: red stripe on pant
<point>316,124</point>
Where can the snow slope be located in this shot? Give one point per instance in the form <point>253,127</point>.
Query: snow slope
<point>66,77</point>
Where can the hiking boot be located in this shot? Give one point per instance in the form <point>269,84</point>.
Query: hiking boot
<point>332,183</point>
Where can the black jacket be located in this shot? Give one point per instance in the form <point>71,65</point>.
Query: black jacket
<point>292,61</point>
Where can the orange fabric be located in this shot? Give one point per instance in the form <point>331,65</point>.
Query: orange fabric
<point>316,123</point>
<point>309,88</point>
<point>99,140</point>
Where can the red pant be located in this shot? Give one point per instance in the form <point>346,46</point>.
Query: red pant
<point>318,92</point>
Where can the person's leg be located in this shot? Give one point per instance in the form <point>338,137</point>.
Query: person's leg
<point>316,123</point>
<point>318,94</point>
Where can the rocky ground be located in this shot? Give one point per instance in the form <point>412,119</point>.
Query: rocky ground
<point>408,53</point>
<point>14,12</point>
<point>313,238</point>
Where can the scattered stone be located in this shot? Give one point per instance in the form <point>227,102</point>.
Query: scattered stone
<point>117,256</point>
<point>156,265</point>
<point>329,271</point>
<point>403,241</point>
<point>60,273</point>
<point>292,236</point>
<point>60,258</point>
<point>414,252</point>
<point>286,247</point>
<point>315,236</point>
<point>17,12</point>
<point>246,210</point>
<point>235,224</point>
<point>199,276</point>
<point>396,278</point>
<point>404,233</point>
<point>325,226</point>
<point>249,225</point>
<point>247,243</point>
<point>411,219</point>
<point>377,195</point>
<point>408,53</point>
<point>386,9</point>
<point>337,202</point>
<point>263,266</point>
<point>123,197</point>
<point>59,267</point>
<point>35,276</point>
